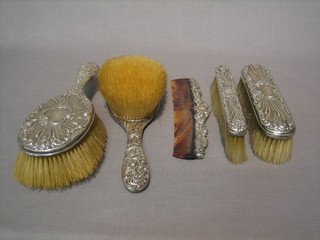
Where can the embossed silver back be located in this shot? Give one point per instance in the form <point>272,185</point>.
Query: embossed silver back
<point>60,123</point>
<point>231,107</point>
<point>270,108</point>
<point>202,112</point>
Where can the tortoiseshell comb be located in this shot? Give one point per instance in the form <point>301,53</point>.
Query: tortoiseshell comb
<point>190,115</point>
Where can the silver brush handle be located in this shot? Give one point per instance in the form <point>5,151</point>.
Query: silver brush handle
<point>135,169</point>
<point>86,73</point>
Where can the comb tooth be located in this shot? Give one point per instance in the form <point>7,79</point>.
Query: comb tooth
<point>190,115</point>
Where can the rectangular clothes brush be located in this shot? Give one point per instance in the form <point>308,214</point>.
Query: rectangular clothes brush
<point>190,115</point>
<point>271,125</point>
<point>228,111</point>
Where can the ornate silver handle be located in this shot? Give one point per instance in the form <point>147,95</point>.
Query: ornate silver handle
<point>135,169</point>
<point>86,73</point>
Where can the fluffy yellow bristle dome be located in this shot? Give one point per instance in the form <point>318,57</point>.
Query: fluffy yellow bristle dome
<point>133,86</point>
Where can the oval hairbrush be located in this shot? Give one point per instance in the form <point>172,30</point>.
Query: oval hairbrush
<point>133,87</point>
<point>62,141</point>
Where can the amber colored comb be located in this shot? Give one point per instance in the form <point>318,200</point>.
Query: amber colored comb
<point>190,115</point>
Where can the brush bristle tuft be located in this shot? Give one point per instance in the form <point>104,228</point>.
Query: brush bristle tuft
<point>268,149</point>
<point>133,86</point>
<point>66,168</point>
<point>234,146</point>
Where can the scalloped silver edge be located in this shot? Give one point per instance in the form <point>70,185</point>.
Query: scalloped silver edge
<point>202,112</point>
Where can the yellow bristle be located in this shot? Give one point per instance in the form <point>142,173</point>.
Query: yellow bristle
<point>64,169</point>
<point>269,149</point>
<point>132,85</point>
<point>234,146</point>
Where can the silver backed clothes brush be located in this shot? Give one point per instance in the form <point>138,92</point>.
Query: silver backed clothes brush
<point>228,111</point>
<point>271,125</point>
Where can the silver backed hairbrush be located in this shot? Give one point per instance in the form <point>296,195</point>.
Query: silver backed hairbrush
<point>62,141</point>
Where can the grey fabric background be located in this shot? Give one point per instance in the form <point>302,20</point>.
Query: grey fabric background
<point>42,45</point>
